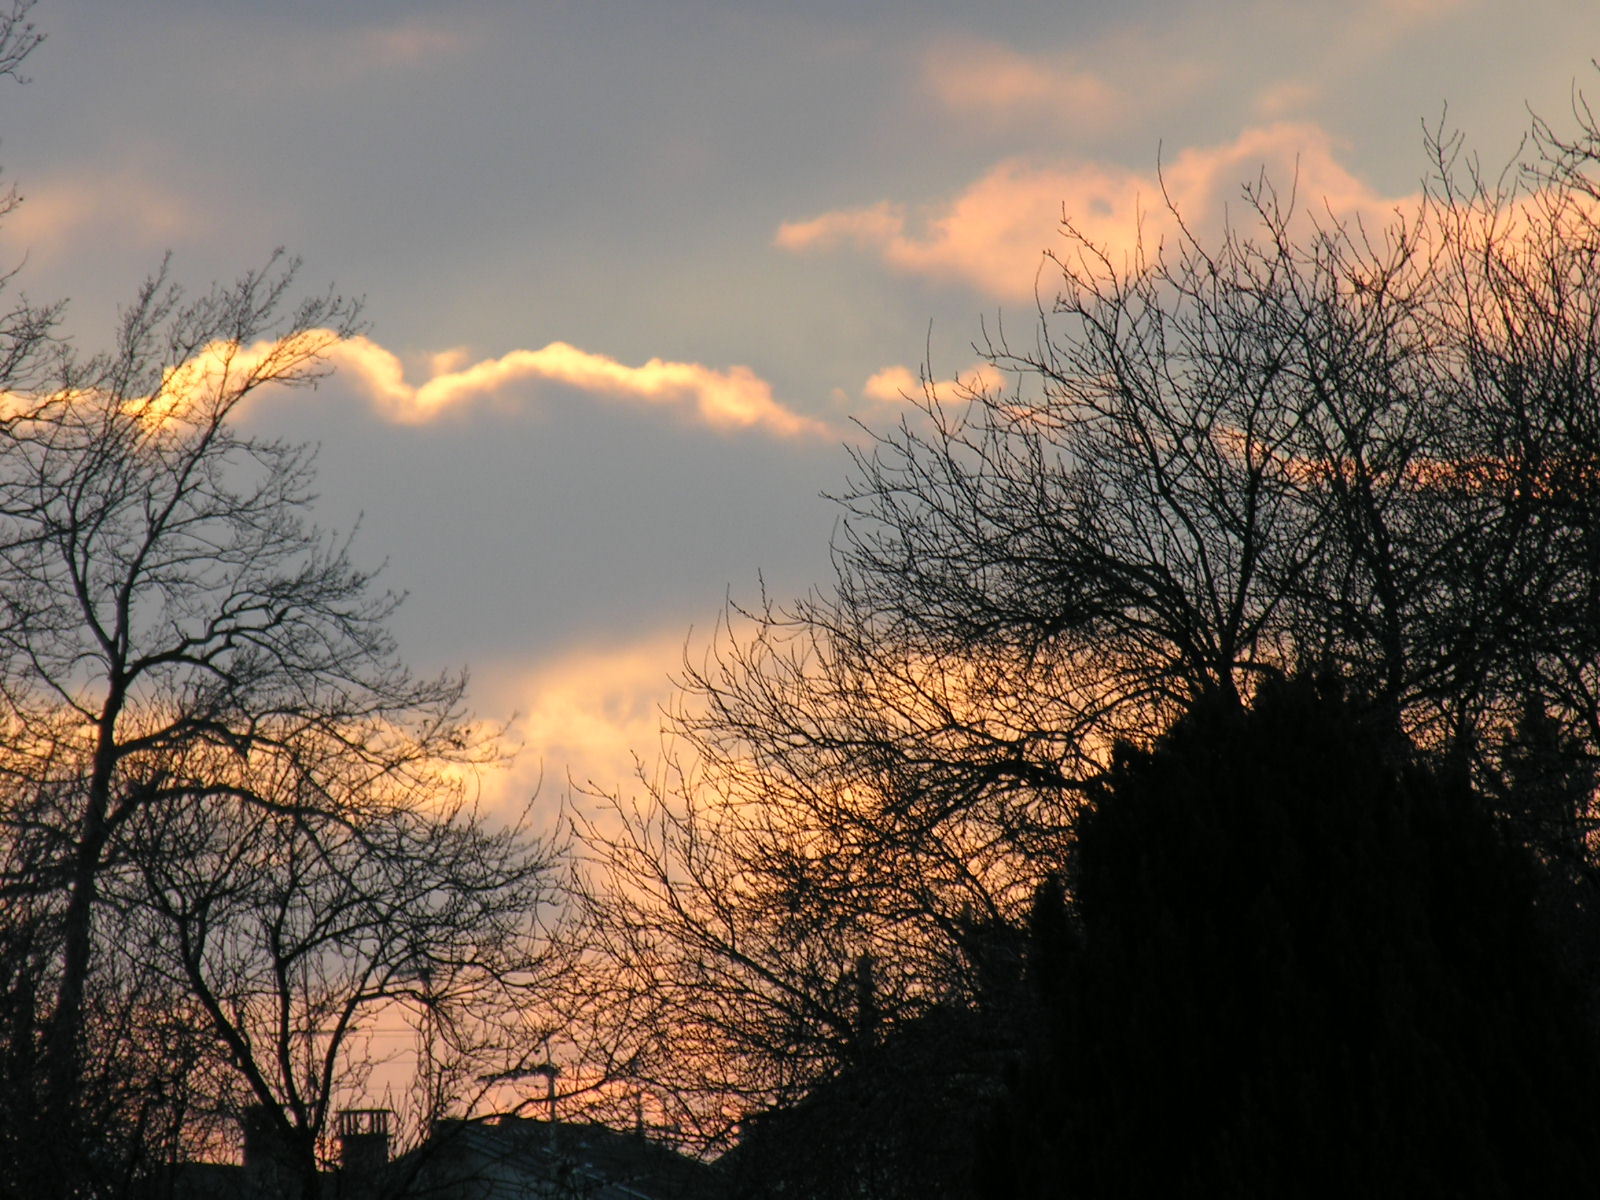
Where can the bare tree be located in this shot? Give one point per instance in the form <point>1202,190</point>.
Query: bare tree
<point>229,830</point>
<point>708,998</point>
<point>1307,445</point>
<point>753,930</point>
<point>196,683</point>
<point>206,725</point>
<point>302,935</point>
<point>141,1049</point>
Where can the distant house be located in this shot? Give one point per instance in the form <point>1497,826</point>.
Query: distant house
<point>512,1158</point>
<point>503,1157</point>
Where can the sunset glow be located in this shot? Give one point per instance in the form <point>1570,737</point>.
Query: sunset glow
<point>724,400</point>
<point>522,285</point>
<point>634,544</point>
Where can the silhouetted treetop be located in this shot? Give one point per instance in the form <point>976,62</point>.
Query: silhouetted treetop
<point>1298,447</point>
<point>1298,957</point>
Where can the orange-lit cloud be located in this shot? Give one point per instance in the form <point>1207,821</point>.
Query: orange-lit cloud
<point>730,399</point>
<point>993,236</point>
<point>284,59</point>
<point>405,44</point>
<point>993,81</point>
<point>1327,57</point>
<point>734,399</point>
<point>583,718</point>
<point>1279,100</point>
<point>895,384</point>
<point>222,376</point>
<point>123,206</point>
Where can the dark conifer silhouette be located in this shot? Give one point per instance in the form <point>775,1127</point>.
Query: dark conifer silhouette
<point>1299,445</point>
<point>1297,959</point>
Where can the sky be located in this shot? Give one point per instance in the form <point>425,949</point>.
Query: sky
<point>633,269</point>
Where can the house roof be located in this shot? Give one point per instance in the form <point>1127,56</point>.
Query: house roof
<point>509,1157</point>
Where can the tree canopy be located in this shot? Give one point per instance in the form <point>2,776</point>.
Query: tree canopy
<point>233,827</point>
<point>1295,951</point>
<point>1302,446</point>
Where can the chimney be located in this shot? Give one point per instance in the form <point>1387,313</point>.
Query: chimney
<point>265,1149</point>
<point>363,1140</point>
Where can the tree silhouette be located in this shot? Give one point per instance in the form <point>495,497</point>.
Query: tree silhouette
<point>231,817</point>
<point>1302,445</point>
<point>1297,957</point>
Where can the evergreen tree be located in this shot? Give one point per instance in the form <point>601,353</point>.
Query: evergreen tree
<point>1297,958</point>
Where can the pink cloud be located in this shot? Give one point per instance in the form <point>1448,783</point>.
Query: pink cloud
<point>730,399</point>
<point>284,59</point>
<point>895,384</point>
<point>123,206</point>
<point>993,81</point>
<point>993,236</point>
<point>407,44</point>
<point>586,716</point>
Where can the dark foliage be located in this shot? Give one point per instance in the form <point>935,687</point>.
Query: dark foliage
<point>1297,959</point>
<point>897,1121</point>
<point>232,831</point>
<point>1361,450</point>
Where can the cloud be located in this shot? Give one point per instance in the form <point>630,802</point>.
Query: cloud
<point>123,206</point>
<point>584,717</point>
<point>993,236</point>
<point>289,57</point>
<point>892,384</point>
<point>993,81</point>
<point>895,384</point>
<point>1328,60</point>
<point>1286,96</point>
<point>731,399</point>
<point>405,45</point>
<point>735,399</point>
<point>222,375</point>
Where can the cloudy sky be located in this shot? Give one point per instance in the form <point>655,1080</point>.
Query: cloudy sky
<point>632,266</point>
